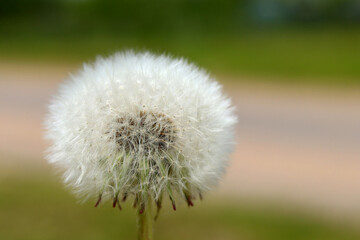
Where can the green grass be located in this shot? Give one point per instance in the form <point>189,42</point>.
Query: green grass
<point>315,56</point>
<point>36,206</point>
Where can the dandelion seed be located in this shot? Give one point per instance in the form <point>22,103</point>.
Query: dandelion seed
<point>140,125</point>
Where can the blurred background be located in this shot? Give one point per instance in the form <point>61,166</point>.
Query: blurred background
<point>291,67</point>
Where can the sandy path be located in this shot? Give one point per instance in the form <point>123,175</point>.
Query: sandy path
<point>297,144</point>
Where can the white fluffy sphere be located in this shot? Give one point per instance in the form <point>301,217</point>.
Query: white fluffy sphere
<point>142,125</point>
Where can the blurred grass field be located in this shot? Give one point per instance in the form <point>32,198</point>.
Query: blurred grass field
<point>35,205</point>
<point>328,57</point>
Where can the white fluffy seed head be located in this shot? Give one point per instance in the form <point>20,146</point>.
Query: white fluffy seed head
<point>142,125</point>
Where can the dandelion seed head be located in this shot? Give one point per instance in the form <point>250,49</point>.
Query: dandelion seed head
<point>143,125</point>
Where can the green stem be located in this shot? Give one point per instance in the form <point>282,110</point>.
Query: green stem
<point>145,223</point>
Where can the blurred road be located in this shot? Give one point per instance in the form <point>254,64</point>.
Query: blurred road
<point>295,144</point>
<point>298,144</point>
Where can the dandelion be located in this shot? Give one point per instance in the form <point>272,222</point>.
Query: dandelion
<point>140,126</point>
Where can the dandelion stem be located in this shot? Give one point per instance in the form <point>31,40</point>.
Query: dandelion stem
<point>145,223</point>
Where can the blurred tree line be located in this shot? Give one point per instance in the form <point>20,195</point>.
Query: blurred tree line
<point>145,17</point>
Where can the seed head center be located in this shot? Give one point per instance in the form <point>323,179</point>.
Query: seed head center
<point>147,132</point>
